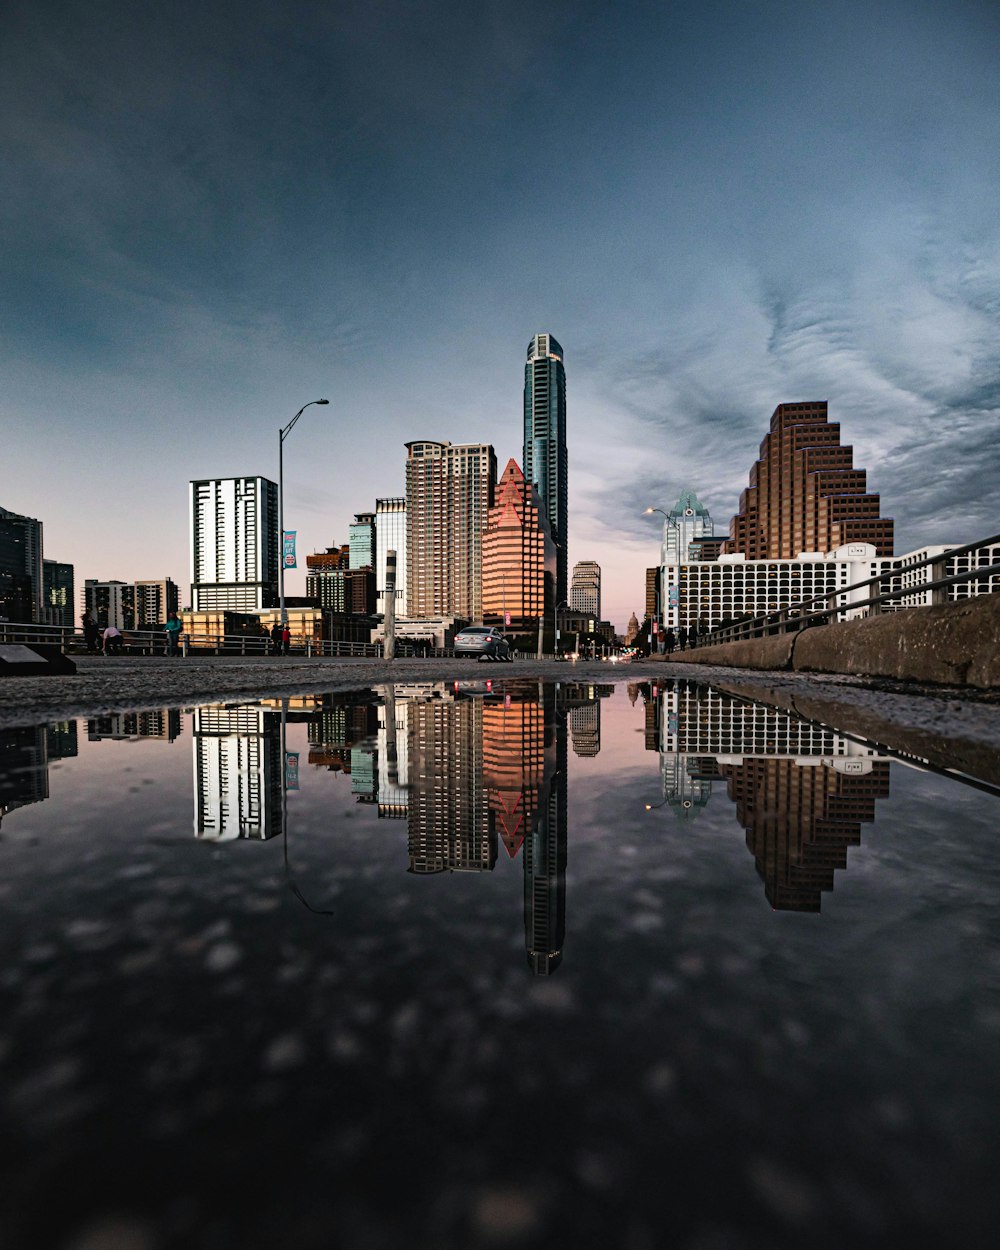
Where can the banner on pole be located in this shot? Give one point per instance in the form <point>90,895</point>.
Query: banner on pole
<point>506,618</point>
<point>288,549</point>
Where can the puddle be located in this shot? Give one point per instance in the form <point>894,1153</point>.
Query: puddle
<point>492,965</point>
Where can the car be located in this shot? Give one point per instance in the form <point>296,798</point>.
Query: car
<point>483,642</point>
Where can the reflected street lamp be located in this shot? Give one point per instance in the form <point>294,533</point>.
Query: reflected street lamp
<point>282,435</point>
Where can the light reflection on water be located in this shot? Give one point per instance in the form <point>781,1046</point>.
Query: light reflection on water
<point>322,888</point>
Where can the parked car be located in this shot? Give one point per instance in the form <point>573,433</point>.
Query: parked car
<point>483,642</point>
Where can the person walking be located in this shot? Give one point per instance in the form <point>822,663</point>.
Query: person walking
<point>91,634</point>
<point>682,637</point>
<point>670,641</point>
<point>173,629</point>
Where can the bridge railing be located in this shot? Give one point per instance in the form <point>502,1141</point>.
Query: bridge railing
<point>836,603</point>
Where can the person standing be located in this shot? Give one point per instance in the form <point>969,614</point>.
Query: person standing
<point>91,633</point>
<point>670,641</point>
<point>286,638</point>
<point>682,637</point>
<point>173,631</point>
<point>276,638</point>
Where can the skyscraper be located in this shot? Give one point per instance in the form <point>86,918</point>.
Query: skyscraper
<point>20,568</point>
<point>58,585</point>
<point>804,493</point>
<point>390,535</point>
<point>449,491</point>
<point>545,457</point>
<point>234,544</point>
<point>361,537</point>
<point>585,592</point>
<point>519,557</point>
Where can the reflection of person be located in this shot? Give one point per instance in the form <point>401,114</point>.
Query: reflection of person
<point>91,633</point>
<point>112,640</point>
<point>173,631</point>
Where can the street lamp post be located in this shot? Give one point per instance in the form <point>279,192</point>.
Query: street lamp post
<point>282,435</point>
<point>663,542</point>
<point>555,625</point>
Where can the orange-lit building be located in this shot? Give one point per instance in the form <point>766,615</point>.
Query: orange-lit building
<point>519,555</point>
<point>804,493</point>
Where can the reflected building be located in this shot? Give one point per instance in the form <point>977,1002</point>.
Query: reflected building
<point>162,723</point>
<point>393,755</point>
<point>545,854</point>
<point>25,755</point>
<point>802,790</point>
<point>237,773</point>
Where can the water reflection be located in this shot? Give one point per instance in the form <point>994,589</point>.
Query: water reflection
<point>25,755</point>
<point>802,791</point>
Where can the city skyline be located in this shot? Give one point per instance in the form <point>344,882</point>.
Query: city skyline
<point>741,207</point>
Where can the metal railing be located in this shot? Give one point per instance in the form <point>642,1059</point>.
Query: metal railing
<point>795,616</point>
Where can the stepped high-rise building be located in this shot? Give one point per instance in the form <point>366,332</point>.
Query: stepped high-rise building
<point>519,556</point>
<point>545,456</point>
<point>234,544</point>
<point>804,492</point>
<point>390,535</point>
<point>449,492</point>
<point>585,591</point>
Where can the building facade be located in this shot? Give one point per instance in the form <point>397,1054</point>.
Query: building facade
<point>449,492</point>
<point>234,544</point>
<point>585,591</point>
<point>390,535</point>
<point>519,556</point>
<point>361,540</point>
<point>130,605</point>
<point>21,575</point>
<point>58,594</point>
<point>545,459</point>
<point>804,493</point>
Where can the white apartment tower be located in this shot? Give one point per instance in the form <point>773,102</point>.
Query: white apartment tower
<point>390,535</point>
<point>585,591</point>
<point>234,544</point>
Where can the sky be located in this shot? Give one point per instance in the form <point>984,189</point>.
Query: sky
<point>213,213</point>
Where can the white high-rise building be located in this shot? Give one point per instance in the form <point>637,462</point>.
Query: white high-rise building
<point>237,773</point>
<point>390,535</point>
<point>585,590</point>
<point>234,544</point>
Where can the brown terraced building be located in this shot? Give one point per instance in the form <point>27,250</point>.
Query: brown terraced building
<point>519,555</point>
<point>804,492</point>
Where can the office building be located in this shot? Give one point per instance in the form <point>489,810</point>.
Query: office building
<point>234,544</point>
<point>804,493</point>
<point>58,594</point>
<point>21,577</point>
<point>687,523</point>
<point>110,603</point>
<point>519,556</point>
<point>449,492</point>
<point>361,541</point>
<point>337,585</point>
<point>390,535</point>
<point>546,461</point>
<point>154,601</point>
<point>585,591</point>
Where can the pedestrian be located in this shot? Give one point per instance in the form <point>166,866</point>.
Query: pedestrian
<point>682,637</point>
<point>276,638</point>
<point>91,633</point>
<point>113,640</point>
<point>670,641</point>
<point>173,629</point>
<point>286,638</point>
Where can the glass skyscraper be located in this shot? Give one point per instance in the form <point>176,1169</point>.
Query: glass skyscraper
<point>545,457</point>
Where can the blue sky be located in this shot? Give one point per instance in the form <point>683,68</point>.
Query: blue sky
<point>215,212</point>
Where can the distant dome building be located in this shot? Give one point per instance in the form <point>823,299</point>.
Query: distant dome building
<point>633,629</point>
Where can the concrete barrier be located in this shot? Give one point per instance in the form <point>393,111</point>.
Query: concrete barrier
<point>773,652</point>
<point>955,644</point>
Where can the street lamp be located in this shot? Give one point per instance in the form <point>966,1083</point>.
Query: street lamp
<point>555,625</point>
<point>667,521</point>
<point>282,435</point>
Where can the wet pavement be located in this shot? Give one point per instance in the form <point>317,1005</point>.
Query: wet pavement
<point>506,963</point>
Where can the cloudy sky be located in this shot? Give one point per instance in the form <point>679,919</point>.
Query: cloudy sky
<point>214,212</point>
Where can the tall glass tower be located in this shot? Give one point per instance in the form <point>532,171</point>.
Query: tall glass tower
<point>545,458</point>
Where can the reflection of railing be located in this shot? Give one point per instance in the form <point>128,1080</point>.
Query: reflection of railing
<point>835,604</point>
